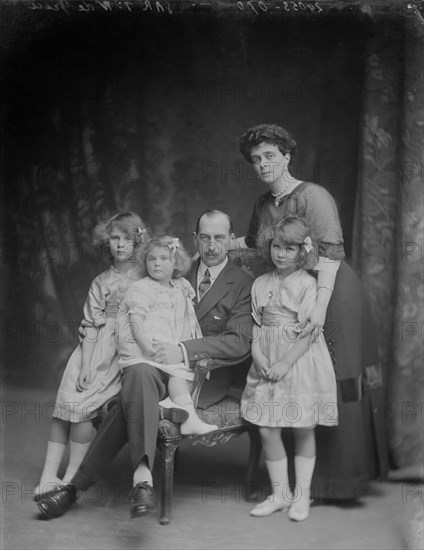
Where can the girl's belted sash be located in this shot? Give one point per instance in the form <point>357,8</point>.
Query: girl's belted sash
<point>287,329</point>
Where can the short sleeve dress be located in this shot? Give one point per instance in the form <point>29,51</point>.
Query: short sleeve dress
<point>100,309</point>
<point>353,452</point>
<point>168,314</point>
<point>307,395</point>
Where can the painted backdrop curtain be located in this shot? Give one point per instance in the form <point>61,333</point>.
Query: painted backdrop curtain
<point>388,246</point>
<point>106,113</point>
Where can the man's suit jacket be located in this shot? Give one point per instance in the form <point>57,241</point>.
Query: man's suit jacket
<point>224,315</point>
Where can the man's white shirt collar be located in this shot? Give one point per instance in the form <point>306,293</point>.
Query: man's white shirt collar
<point>214,270</point>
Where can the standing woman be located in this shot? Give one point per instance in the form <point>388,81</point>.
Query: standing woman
<point>352,453</point>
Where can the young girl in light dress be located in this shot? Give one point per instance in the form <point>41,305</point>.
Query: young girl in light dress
<point>92,375</point>
<point>159,307</point>
<point>291,383</point>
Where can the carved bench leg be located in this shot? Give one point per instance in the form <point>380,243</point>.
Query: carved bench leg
<point>167,481</point>
<point>253,460</point>
<point>176,459</point>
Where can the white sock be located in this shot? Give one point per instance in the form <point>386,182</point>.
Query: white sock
<point>77,453</point>
<point>142,473</point>
<point>304,468</point>
<point>280,497</point>
<point>183,400</point>
<point>278,474</point>
<point>51,466</point>
<point>193,425</point>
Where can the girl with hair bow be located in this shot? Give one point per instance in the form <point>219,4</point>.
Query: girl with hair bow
<point>159,308</point>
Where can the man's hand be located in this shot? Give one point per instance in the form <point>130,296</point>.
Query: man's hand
<point>279,370</point>
<point>167,354</point>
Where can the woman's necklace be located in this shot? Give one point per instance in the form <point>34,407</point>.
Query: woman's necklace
<point>278,196</point>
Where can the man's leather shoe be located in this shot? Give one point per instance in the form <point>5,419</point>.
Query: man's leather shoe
<point>58,502</point>
<point>45,494</point>
<point>143,500</point>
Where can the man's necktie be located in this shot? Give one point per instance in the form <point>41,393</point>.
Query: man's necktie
<point>205,284</point>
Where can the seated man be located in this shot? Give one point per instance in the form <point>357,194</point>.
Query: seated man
<point>224,313</point>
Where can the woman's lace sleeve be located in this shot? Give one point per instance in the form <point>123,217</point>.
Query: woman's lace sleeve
<point>317,206</point>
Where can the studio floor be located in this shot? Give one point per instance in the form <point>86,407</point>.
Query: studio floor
<point>209,509</point>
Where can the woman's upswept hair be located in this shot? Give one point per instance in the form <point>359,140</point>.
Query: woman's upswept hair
<point>173,244</point>
<point>128,222</point>
<point>270,133</point>
<point>291,230</point>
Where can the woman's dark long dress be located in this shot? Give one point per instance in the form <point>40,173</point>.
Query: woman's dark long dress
<point>351,454</point>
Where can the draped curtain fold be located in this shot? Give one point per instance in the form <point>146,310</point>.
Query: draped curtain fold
<point>388,234</point>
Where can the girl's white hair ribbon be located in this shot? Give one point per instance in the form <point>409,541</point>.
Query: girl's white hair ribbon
<point>307,243</point>
<point>143,233</point>
<point>174,244</point>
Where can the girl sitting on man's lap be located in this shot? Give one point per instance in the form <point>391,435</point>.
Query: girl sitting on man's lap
<point>159,308</point>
